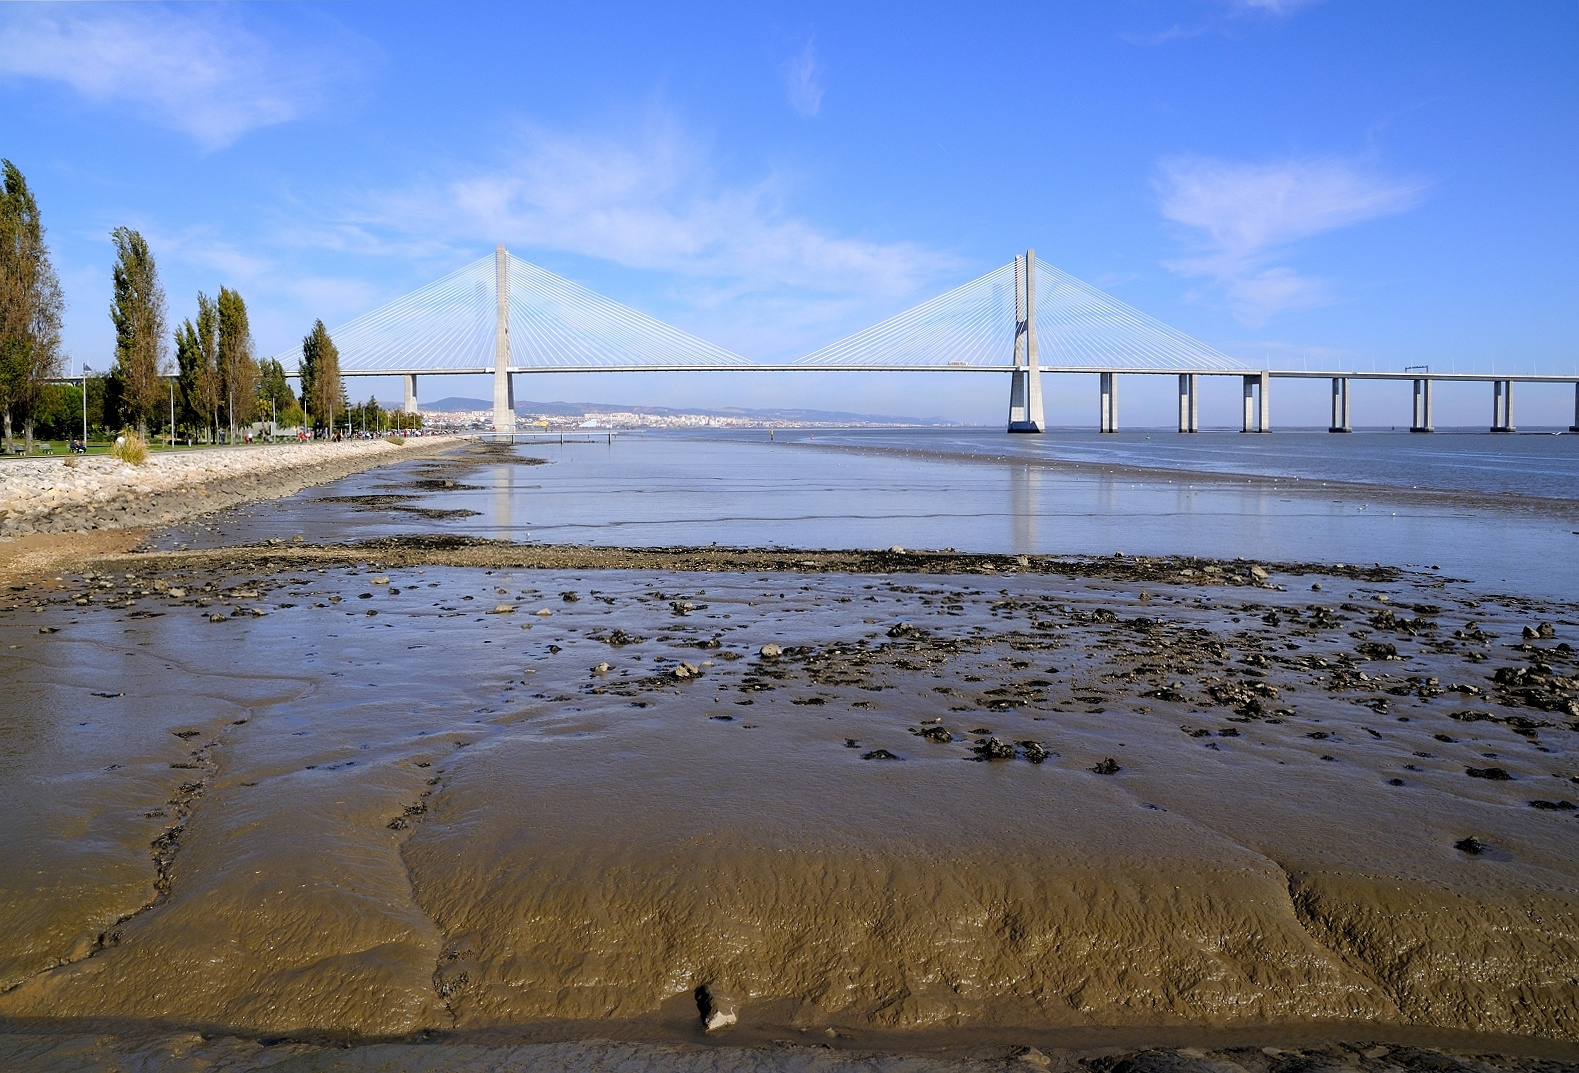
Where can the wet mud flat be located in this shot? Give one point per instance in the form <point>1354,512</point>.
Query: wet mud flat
<point>507,798</point>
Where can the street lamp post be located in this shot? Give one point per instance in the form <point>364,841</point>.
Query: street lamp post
<point>84,407</point>
<point>172,413</point>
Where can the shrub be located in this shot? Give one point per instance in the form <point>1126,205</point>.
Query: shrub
<point>130,448</point>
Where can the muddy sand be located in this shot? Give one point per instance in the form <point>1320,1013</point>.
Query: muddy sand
<point>487,802</point>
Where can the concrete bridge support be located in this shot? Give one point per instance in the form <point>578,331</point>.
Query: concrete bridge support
<point>1340,405</point>
<point>1502,406</point>
<point>1421,421</point>
<point>1025,389</point>
<point>1108,388</point>
<point>1575,426</point>
<point>1189,404</point>
<point>411,393</point>
<point>503,386</point>
<point>1258,418</point>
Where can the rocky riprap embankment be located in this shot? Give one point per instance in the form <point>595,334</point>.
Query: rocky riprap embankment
<point>69,495</point>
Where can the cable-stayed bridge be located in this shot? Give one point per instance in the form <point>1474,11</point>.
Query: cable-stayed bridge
<point>503,316</point>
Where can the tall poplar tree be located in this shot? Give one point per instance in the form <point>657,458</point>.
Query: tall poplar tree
<point>320,375</point>
<point>197,359</point>
<point>138,311</point>
<point>31,304</point>
<point>238,371</point>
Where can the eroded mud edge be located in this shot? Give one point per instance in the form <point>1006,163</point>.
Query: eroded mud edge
<point>498,554</point>
<point>669,1045</point>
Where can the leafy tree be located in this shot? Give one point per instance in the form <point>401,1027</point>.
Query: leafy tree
<point>197,357</point>
<point>320,375</point>
<point>138,311</point>
<point>31,304</point>
<point>274,390</point>
<point>237,369</point>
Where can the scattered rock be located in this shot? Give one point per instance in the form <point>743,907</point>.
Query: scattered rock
<point>770,651</point>
<point>937,734</point>
<point>715,1009</point>
<point>880,754</point>
<point>1471,845</point>
<point>503,609</point>
<point>217,617</point>
<point>1495,774</point>
<point>686,670</point>
<point>1554,806</point>
<point>56,629</point>
<point>994,749</point>
<point>1034,751</point>
<point>542,612</point>
<point>1108,766</point>
<point>379,580</point>
<point>601,668</point>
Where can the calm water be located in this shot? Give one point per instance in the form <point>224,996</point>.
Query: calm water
<point>981,491</point>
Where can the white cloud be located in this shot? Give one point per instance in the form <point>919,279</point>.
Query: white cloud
<point>1243,216</point>
<point>803,81</point>
<point>742,269</point>
<point>649,202</point>
<point>1273,7</point>
<point>198,70</point>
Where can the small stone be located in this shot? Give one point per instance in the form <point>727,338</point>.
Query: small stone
<point>1034,751</point>
<point>379,580</point>
<point>770,651</point>
<point>1315,586</point>
<point>880,754</point>
<point>48,629</point>
<point>1545,631</point>
<point>937,734</point>
<point>995,749</point>
<point>1495,774</point>
<point>216,617</point>
<point>503,609</point>
<point>1031,1056</point>
<point>715,1009</point>
<point>1108,766</point>
<point>601,668</point>
<point>686,670</point>
<point>1378,1052</point>
<point>1471,845</point>
<point>1023,560</point>
<point>896,550</point>
<point>1259,573</point>
<point>542,612</point>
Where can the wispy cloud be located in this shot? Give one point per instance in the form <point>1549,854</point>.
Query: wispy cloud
<point>744,266</point>
<point>1280,8</point>
<point>649,202</point>
<point>199,70</point>
<point>803,81</point>
<point>1242,217</point>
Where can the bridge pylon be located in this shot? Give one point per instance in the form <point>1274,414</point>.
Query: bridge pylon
<point>503,386</point>
<point>1025,385</point>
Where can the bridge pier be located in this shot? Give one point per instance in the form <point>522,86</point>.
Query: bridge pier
<point>1502,406</point>
<point>1189,404</point>
<point>1340,405</point>
<point>1575,426</point>
<point>1025,387</point>
<point>1108,387</point>
<point>411,393</point>
<point>503,386</point>
<point>1258,418</point>
<point>1421,421</point>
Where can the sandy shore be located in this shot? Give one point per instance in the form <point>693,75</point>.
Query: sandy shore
<point>71,495</point>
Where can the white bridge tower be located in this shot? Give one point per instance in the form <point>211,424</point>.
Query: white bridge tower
<point>1025,389</point>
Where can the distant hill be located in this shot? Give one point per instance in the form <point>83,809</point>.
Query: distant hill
<point>782,416</point>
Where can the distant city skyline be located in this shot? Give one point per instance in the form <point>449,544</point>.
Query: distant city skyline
<point>1288,181</point>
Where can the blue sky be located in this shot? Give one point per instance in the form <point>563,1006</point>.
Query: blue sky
<point>1336,183</point>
